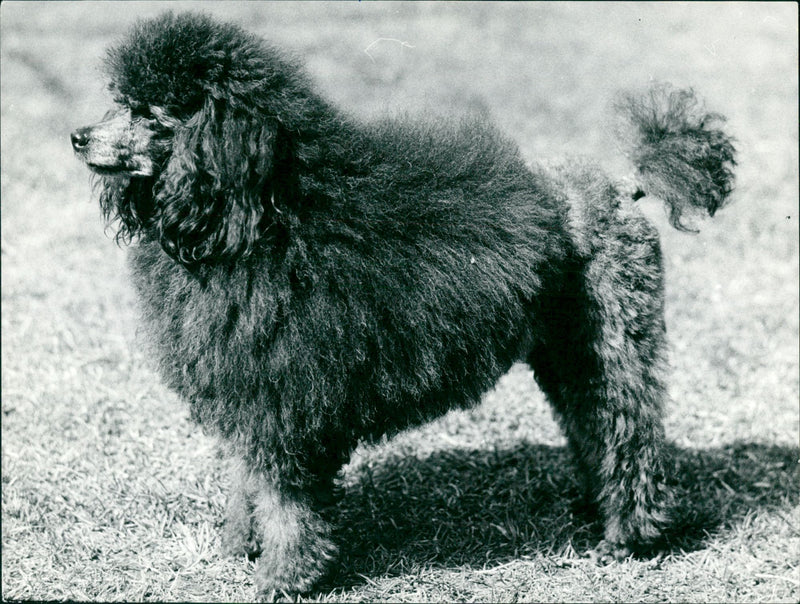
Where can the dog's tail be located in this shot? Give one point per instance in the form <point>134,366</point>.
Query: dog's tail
<point>680,151</point>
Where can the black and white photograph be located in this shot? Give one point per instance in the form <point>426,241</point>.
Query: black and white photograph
<point>400,301</point>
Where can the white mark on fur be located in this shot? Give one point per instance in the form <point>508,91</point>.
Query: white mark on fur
<point>712,48</point>
<point>379,40</point>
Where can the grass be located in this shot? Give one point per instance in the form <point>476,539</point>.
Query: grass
<point>108,491</point>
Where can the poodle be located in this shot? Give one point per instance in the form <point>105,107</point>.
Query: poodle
<point>308,281</point>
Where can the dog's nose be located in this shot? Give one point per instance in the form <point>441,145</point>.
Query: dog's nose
<point>80,138</point>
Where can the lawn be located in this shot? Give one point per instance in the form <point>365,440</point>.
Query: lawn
<point>110,493</point>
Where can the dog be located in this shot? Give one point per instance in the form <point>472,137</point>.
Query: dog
<point>308,282</point>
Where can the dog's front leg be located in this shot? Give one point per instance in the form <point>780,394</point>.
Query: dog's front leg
<point>285,525</point>
<point>296,545</point>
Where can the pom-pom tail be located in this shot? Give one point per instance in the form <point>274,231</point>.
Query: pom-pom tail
<point>680,151</point>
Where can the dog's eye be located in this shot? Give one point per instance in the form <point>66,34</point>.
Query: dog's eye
<point>143,112</point>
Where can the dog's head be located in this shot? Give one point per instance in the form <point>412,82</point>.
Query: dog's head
<point>191,152</point>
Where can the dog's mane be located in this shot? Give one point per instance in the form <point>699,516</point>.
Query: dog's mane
<point>257,147</point>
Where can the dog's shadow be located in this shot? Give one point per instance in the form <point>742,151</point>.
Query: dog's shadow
<point>476,508</point>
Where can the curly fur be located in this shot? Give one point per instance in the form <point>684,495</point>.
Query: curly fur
<point>308,281</point>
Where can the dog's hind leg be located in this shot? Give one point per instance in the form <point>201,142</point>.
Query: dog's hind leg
<point>599,359</point>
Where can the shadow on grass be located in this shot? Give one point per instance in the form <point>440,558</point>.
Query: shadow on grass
<point>479,508</point>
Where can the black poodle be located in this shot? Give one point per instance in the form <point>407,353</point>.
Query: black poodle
<point>308,281</point>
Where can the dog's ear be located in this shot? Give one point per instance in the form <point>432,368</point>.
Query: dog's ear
<point>213,193</point>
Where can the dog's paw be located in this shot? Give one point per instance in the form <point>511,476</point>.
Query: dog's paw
<point>297,552</point>
<point>274,595</point>
<point>239,539</point>
<point>283,578</point>
<point>607,552</point>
